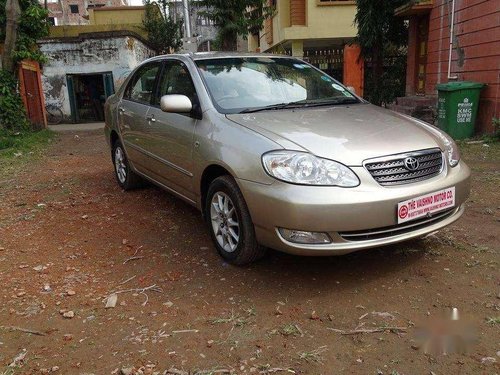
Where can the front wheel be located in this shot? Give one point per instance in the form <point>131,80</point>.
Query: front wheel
<point>230,224</point>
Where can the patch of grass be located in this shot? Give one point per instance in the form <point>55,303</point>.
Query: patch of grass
<point>314,355</point>
<point>14,143</point>
<point>494,321</point>
<point>19,147</point>
<point>234,319</point>
<point>290,329</point>
<point>268,369</point>
<point>487,150</point>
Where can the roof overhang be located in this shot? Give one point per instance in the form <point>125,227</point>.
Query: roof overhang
<point>414,8</point>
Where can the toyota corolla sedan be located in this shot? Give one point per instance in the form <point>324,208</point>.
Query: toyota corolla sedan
<point>277,154</point>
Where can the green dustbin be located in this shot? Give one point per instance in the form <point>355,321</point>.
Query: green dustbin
<point>457,107</point>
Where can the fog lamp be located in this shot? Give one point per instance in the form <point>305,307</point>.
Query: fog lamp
<point>299,236</point>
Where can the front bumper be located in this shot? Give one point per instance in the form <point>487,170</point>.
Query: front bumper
<point>337,211</point>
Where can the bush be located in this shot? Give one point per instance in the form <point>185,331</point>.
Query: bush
<point>12,112</point>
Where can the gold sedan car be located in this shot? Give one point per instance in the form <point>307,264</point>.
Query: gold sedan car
<point>275,153</point>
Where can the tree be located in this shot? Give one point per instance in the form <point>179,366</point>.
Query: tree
<point>22,22</point>
<point>234,18</point>
<point>12,15</point>
<point>164,34</point>
<point>380,33</point>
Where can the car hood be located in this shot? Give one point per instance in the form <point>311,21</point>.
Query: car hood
<point>348,134</point>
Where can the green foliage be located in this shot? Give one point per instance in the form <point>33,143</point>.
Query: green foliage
<point>234,18</point>
<point>12,113</point>
<point>164,34</point>
<point>21,147</point>
<point>383,38</point>
<point>33,25</point>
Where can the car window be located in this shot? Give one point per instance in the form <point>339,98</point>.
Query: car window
<point>141,86</point>
<point>243,83</point>
<point>176,79</point>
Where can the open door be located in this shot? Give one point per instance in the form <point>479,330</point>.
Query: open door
<point>31,93</point>
<point>109,86</point>
<point>72,98</point>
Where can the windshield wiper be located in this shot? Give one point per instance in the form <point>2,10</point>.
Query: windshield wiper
<point>299,103</point>
<point>341,100</point>
<point>303,104</point>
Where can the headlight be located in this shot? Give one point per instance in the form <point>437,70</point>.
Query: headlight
<point>450,149</point>
<point>306,169</point>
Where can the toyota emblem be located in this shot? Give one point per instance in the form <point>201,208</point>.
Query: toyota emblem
<point>411,164</point>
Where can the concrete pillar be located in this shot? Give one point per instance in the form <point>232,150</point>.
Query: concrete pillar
<point>298,48</point>
<point>354,68</point>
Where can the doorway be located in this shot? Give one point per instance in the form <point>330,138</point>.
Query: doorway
<point>87,94</point>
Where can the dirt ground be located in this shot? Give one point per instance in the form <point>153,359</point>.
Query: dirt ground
<point>69,238</point>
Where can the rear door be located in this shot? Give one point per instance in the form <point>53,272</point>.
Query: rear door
<point>171,134</point>
<point>133,114</point>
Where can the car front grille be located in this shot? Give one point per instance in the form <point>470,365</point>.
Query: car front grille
<point>393,170</point>
<point>394,230</point>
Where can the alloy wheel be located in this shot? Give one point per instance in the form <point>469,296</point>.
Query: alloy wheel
<point>121,168</point>
<point>225,222</point>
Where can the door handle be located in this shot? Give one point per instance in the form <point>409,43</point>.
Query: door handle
<point>151,118</point>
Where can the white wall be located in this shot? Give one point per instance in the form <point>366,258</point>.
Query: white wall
<point>118,55</point>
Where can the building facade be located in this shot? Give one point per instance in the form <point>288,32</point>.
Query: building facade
<point>200,32</point>
<point>474,26</point>
<point>87,63</point>
<point>75,12</point>
<point>319,31</point>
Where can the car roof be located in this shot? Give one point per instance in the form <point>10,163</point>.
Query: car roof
<point>217,55</point>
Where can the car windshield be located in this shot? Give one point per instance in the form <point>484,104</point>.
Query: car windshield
<point>251,84</point>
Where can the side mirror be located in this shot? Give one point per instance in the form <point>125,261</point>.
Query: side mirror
<point>351,89</point>
<point>176,104</point>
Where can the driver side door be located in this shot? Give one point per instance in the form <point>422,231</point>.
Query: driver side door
<point>171,135</point>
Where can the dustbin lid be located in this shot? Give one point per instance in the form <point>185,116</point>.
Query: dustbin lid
<point>463,85</point>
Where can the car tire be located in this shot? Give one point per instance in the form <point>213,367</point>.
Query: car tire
<point>230,224</point>
<point>126,177</point>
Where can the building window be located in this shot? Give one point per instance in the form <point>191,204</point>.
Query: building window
<point>73,8</point>
<point>52,21</point>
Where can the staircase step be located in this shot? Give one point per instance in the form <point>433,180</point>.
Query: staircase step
<point>417,101</point>
<point>407,110</point>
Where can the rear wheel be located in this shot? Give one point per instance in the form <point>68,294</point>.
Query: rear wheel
<point>126,178</point>
<point>230,224</point>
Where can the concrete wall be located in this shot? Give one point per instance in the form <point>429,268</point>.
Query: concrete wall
<point>74,31</point>
<point>118,55</point>
<point>117,15</point>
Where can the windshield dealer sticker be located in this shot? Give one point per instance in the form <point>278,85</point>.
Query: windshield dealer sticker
<point>426,205</point>
<point>338,87</point>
